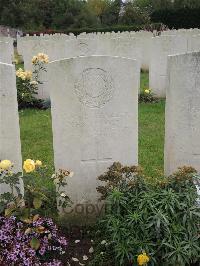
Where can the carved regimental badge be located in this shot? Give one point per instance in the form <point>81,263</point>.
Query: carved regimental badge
<point>94,88</point>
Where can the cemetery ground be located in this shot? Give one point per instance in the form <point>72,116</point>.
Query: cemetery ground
<point>37,142</point>
<point>87,244</point>
<point>143,217</point>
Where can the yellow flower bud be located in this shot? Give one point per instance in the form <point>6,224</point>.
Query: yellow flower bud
<point>38,163</point>
<point>147,91</point>
<point>34,60</point>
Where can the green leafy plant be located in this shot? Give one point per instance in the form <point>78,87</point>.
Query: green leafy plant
<point>146,96</point>
<point>28,82</point>
<point>35,199</point>
<point>160,218</point>
<point>26,237</point>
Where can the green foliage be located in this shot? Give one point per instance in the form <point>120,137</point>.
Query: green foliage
<point>27,86</point>
<point>159,217</point>
<point>39,15</point>
<point>26,94</point>
<point>36,200</point>
<point>175,18</point>
<point>132,14</point>
<point>146,96</point>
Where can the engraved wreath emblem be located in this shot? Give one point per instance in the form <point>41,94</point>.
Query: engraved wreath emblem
<point>94,88</point>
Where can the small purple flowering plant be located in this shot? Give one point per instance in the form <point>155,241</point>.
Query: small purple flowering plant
<point>34,242</point>
<point>26,238</point>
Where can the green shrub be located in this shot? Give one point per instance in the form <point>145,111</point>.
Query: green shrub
<point>158,216</point>
<point>116,28</point>
<point>26,94</point>
<point>146,96</point>
<point>28,83</point>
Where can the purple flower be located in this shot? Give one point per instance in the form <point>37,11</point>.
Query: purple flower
<point>15,243</point>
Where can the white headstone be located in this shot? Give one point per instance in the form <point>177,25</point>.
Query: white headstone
<point>10,145</point>
<point>123,47</point>
<point>182,131</point>
<point>6,52</point>
<point>55,49</point>
<point>95,119</point>
<point>161,48</point>
<point>144,44</point>
<point>194,43</point>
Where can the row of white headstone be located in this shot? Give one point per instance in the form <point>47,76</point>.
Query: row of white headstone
<point>149,50</point>
<point>95,116</point>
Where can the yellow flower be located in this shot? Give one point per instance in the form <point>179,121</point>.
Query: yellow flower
<point>29,166</point>
<point>5,164</point>
<point>34,60</point>
<point>19,72</point>
<point>24,75</point>
<point>33,82</point>
<point>142,259</point>
<point>38,163</point>
<point>147,91</point>
<point>43,58</point>
<point>28,74</point>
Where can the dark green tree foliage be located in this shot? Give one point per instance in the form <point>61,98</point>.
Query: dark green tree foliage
<point>178,18</point>
<point>133,14</point>
<point>41,15</point>
<point>9,12</point>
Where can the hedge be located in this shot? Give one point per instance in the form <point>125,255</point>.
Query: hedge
<point>116,28</point>
<point>178,18</point>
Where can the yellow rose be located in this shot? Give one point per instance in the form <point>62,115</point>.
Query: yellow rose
<point>29,166</point>
<point>19,72</point>
<point>5,164</point>
<point>142,259</point>
<point>24,75</point>
<point>38,163</point>
<point>147,91</point>
<point>43,58</point>
<point>28,75</point>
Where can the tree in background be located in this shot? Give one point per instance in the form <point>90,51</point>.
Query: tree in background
<point>66,14</point>
<point>134,14</point>
<point>99,8</point>
<point>10,13</point>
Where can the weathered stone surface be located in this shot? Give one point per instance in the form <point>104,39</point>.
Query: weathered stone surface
<point>6,52</point>
<point>194,43</point>
<point>95,119</point>
<point>10,145</point>
<point>182,129</point>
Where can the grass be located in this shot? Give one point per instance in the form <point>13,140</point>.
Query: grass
<point>36,135</point>
<point>144,81</point>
